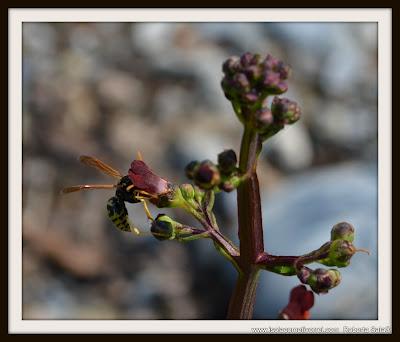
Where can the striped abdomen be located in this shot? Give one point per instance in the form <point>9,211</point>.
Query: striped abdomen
<point>118,214</point>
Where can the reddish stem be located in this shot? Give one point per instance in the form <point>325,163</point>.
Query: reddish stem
<point>250,230</point>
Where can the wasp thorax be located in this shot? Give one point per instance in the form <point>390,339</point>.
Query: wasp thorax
<point>125,190</point>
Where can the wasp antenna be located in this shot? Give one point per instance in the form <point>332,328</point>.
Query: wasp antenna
<point>139,155</point>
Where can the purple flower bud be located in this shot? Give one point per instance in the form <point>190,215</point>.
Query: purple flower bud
<point>250,97</point>
<point>207,175</point>
<point>303,274</point>
<point>191,169</point>
<point>284,70</point>
<point>254,72</point>
<point>247,59</point>
<point>227,161</point>
<point>271,62</point>
<point>241,82</point>
<point>274,83</point>
<point>321,280</point>
<point>231,65</point>
<point>342,231</point>
<point>285,110</point>
<point>263,119</point>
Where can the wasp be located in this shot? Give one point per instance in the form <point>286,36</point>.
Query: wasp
<point>139,185</point>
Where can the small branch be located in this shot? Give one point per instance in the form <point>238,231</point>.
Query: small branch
<point>222,241</point>
<point>270,261</point>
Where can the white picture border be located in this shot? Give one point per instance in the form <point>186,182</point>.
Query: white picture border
<point>17,16</point>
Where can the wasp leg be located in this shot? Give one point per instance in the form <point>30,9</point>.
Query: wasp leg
<point>118,214</point>
<point>146,209</point>
<point>146,195</point>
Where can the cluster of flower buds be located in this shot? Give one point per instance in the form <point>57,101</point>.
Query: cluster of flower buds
<point>270,121</point>
<point>300,302</point>
<point>341,248</point>
<point>336,252</point>
<point>223,176</point>
<point>247,83</point>
<point>250,79</point>
<point>320,280</point>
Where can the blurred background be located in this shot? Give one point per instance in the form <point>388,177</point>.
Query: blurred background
<point>110,89</point>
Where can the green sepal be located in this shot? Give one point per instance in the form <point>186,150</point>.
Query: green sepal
<point>340,253</point>
<point>208,201</point>
<point>187,192</point>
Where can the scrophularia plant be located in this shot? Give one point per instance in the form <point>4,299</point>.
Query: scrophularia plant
<point>248,83</point>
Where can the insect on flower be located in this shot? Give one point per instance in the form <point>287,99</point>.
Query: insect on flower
<point>139,185</point>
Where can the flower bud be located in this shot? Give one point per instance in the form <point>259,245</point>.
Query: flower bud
<point>191,169</point>
<point>163,228</point>
<point>340,253</point>
<point>304,274</point>
<point>321,280</point>
<point>227,161</point>
<point>285,111</point>
<point>273,83</point>
<point>342,231</point>
<point>187,191</point>
<point>207,175</point>
<point>246,60</point>
<point>263,119</point>
<point>275,75</point>
<point>242,84</point>
<point>231,65</point>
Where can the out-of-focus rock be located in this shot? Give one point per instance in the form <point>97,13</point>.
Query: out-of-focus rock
<point>291,149</point>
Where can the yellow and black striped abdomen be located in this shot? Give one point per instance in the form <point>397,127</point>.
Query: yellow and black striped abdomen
<point>118,214</point>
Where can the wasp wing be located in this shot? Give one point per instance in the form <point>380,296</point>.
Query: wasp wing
<point>99,165</point>
<point>75,188</point>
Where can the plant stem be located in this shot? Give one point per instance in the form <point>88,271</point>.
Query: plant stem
<point>243,298</point>
<point>250,229</point>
